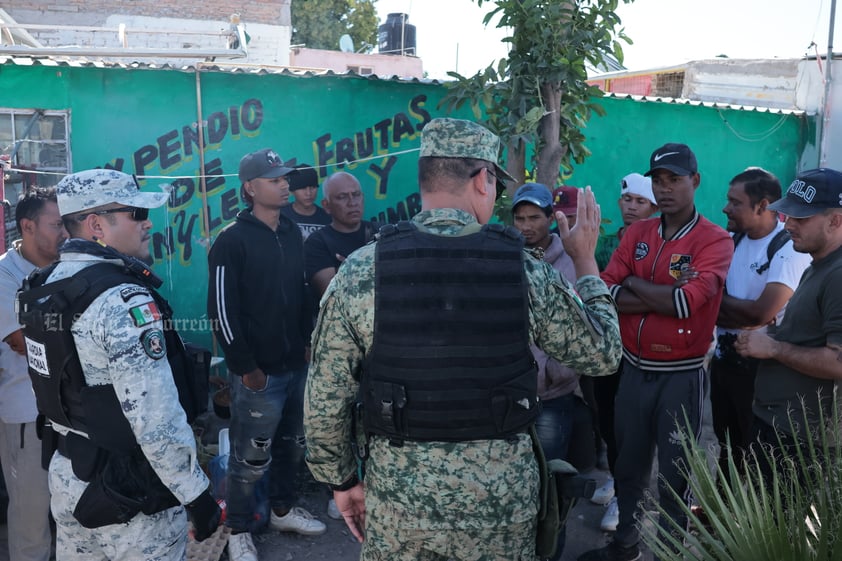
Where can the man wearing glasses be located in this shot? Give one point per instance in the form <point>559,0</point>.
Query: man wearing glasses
<point>328,247</point>
<point>117,414</point>
<point>262,318</point>
<point>430,327</point>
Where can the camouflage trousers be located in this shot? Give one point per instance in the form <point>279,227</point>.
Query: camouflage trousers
<point>385,542</point>
<point>159,537</point>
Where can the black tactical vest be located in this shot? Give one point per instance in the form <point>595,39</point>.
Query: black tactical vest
<point>450,359</point>
<point>47,312</point>
<point>110,458</point>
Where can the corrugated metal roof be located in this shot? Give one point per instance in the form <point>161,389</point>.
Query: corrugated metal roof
<point>713,104</point>
<point>232,67</point>
<point>259,69</point>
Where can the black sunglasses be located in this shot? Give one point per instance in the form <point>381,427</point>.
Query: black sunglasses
<point>501,187</point>
<point>138,214</point>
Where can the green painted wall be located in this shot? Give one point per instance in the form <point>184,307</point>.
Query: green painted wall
<point>143,121</point>
<point>725,141</point>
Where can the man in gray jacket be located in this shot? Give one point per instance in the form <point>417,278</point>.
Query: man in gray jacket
<point>564,418</point>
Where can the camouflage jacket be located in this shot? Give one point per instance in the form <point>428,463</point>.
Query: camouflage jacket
<point>442,485</point>
<point>120,341</point>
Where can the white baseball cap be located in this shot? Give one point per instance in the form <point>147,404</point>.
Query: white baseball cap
<point>636,184</point>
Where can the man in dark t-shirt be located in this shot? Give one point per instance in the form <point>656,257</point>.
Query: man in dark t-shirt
<point>328,247</point>
<point>304,188</point>
<point>800,362</point>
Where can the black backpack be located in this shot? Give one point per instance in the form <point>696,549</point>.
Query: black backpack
<point>774,246</point>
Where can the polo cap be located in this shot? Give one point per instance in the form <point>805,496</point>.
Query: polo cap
<point>812,192</point>
<point>537,194</point>
<point>262,164</point>
<point>565,199</point>
<point>303,175</point>
<point>677,158</point>
<point>94,188</point>
<point>456,138</point>
<point>639,186</point>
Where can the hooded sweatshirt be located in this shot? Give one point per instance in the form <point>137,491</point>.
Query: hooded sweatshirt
<point>261,315</point>
<point>555,379</point>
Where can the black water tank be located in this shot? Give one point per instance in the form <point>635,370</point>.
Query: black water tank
<point>396,37</point>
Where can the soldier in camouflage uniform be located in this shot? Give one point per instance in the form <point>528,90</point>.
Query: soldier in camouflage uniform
<point>121,345</point>
<point>474,499</point>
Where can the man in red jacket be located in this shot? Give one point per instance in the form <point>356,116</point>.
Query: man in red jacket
<point>667,277</point>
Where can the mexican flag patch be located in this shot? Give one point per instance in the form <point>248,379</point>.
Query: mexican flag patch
<point>145,313</point>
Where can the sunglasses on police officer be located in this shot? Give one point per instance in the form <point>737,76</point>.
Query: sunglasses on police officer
<point>137,214</point>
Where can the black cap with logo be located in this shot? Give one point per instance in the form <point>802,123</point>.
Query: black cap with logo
<point>677,158</point>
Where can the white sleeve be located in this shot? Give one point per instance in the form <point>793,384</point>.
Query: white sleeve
<point>787,266</point>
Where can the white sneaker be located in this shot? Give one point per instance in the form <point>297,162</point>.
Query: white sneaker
<point>297,520</point>
<point>333,510</point>
<point>603,494</point>
<point>611,518</point>
<point>241,548</point>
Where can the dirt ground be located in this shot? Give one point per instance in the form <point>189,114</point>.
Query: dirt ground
<point>337,544</point>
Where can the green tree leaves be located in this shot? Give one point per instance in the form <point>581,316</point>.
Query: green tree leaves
<point>538,97</point>
<point>318,24</point>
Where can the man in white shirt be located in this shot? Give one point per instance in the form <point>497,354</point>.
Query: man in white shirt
<point>41,233</point>
<point>764,273</point>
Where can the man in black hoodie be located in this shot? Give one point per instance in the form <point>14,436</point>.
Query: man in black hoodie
<point>262,320</point>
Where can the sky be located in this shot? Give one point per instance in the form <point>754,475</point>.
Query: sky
<point>450,34</point>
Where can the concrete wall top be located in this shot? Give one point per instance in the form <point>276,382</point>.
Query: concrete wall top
<point>340,62</point>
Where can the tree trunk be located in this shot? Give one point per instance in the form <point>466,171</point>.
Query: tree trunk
<point>551,151</point>
<point>516,165</point>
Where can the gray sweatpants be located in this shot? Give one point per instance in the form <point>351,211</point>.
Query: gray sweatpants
<point>649,412</point>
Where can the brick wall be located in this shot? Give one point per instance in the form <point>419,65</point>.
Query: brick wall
<point>266,21</point>
<point>95,12</point>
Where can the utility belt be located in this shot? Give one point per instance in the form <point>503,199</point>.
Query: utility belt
<point>729,358</point>
<point>120,484</point>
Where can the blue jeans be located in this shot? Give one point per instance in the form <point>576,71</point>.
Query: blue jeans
<point>555,425</point>
<point>266,425</point>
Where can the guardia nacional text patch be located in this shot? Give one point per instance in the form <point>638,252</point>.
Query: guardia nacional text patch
<point>131,291</point>
<point>145,313</point>
<point>153,344</point>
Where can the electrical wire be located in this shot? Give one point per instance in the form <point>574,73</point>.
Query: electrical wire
<point>173,177</point>
<point>755,137</point>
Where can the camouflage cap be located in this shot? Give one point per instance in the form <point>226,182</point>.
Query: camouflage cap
<point>97,187</point>
<point>457,138</point>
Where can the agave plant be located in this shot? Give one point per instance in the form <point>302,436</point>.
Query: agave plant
<point>793,515</point>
